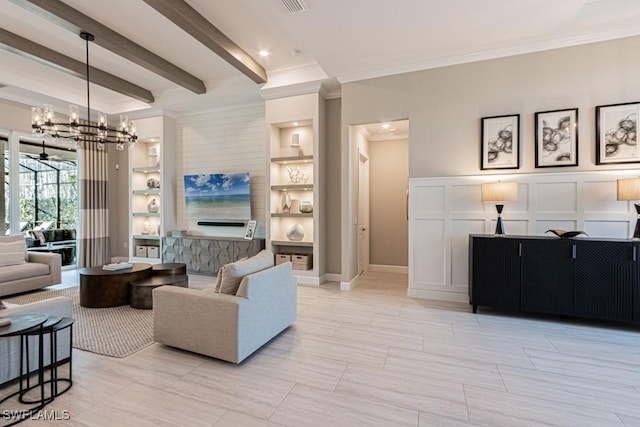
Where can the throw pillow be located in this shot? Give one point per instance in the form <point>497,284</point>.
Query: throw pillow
<point>2,306</point>
<point>233,273</point>
<point>13,250</point>
<point>219,279</point>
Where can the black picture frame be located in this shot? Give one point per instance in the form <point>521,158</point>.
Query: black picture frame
<point>556,138</point>
<point>500,142</point>
<point>616,133</point>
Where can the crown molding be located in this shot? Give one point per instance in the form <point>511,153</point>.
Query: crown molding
<point>291,90</point>
<point>491,54</point>
<point>333,94</point>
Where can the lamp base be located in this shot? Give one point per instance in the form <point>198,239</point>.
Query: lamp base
<point>499,224</point>
<point>636,233</point>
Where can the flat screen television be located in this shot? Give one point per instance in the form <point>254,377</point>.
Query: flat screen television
<point>218,196</point>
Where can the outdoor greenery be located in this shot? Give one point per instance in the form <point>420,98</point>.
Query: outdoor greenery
<point>45,188</point>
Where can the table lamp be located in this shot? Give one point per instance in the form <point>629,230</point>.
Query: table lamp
<point>629,189</point>
<point>499,193</point>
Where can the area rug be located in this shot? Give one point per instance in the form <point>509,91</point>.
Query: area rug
<point>114,331</point>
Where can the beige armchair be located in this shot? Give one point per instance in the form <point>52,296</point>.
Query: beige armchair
<point>228,327</point>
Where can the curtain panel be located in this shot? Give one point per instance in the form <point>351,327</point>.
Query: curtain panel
<point>93,239</point>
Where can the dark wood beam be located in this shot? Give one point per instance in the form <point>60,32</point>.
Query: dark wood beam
<point>64,15</point>
<point>187,18</point>
<point>28,49</point>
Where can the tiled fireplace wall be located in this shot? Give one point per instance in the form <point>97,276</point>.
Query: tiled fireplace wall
<point>444,211</point>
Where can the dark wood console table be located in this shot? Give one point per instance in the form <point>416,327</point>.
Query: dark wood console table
<point>582,277</point>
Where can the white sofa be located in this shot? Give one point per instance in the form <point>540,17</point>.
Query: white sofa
<point>227,327</point>
<point>10,347</point>
<point>22,271</point>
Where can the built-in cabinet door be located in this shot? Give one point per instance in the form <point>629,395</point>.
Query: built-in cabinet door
<point>495,273</point>
<point>604,280</point>
<point>246,248</point>
<point>547,276</point>
<point>224,253</point>
<point>636,288</point>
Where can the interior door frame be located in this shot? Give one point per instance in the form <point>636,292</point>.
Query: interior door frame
<point>363,223</point>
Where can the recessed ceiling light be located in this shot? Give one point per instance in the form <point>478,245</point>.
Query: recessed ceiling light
<point>385,126</point>
<point>264,53</point>
<point>295,123</point>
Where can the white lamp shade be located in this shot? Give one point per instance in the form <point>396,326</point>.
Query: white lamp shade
<point>629,189</point>
<point>499,191</point>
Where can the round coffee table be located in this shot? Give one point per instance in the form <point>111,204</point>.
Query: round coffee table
<point>169,269</point>
<point>141,291</point>
<point>105,288</point>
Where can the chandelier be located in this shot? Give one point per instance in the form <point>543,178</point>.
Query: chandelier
<point>44,123</point>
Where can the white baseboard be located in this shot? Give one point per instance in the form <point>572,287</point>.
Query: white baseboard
<point>379,268</point>
<point>330,277</point>
<point>438,295</point>
<point>349,286</point>
<point>308,281</point>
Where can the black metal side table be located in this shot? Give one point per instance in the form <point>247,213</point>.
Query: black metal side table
<point>65,323</point>
<point>51,327</point>
<point>23,325</point>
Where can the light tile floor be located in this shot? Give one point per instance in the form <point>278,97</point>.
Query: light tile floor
<point>374,357</point>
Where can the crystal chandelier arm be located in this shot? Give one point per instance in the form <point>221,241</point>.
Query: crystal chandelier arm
<point>43,120</point>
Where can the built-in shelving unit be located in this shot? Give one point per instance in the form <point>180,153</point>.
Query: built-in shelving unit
<point>294,147</point>
<point>151,173</point>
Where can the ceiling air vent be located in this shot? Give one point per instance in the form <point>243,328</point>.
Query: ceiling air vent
<point>294,6</point>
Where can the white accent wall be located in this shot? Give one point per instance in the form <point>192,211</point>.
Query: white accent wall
<point>444,211</point>
<point>222,141</point>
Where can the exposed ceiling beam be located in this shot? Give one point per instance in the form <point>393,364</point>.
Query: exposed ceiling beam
<point>187,18</point>
<point>28,49</point>
<point>75,21</point>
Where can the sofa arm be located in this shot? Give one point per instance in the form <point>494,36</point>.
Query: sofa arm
<point>53,260</point>
<point>204,322</point>
<point>58,306</point>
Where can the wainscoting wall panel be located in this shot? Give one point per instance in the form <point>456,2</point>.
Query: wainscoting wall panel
<point>444,211</point>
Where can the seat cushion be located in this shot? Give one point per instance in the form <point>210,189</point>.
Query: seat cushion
<point>233,273</point>
<point>25,270</point>
<point>13,250</point>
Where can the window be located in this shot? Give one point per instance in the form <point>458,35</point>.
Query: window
<point>5,194</point>
<point>48,187</point>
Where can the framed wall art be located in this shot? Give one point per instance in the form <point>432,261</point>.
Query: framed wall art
<point>500,142</point>
<point>616,133</point>
<point>250,231</point>
<point>556,138</point>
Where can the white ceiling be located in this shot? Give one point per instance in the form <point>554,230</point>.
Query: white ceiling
<point>336,40</point>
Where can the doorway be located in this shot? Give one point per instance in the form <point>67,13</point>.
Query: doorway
<point>381,201</point>
<point>363,212</point>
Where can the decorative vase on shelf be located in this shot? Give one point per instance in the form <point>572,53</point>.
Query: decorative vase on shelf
<point>145,228</point>
<point>153,183</point>
<point>153,206</point>
<point>305,206</point>
<point>295,232</point>
<point>285,201</point>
